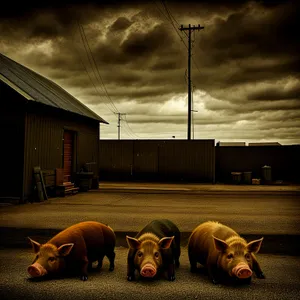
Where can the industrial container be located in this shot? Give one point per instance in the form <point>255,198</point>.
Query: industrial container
<point>236,177</point>
<point>247,177</point>
<point>266,174</point>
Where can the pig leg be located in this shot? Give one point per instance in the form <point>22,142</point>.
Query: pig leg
<point>130,272</point>
<point>171,272</point>
<point>84,268</point>
<point>130,266</point>
<point>100,261</point>
<point>177,263</point>
<point>193,262</point>
<point>177,255</point>
<point>176,251</point>
<point>90,266</point>
<point>111,256</point>
<point>213,273</point>
<point>257,269</point>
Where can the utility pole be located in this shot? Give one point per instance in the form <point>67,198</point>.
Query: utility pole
<point>189,29</point>
<point>194,124</point>
<point>119,123</point>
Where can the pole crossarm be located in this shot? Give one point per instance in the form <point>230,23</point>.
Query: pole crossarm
<point>194,27</point>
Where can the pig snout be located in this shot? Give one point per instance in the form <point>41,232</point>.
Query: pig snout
<point>36,270</point>
<point>242,271</point>
<point>148,270</point>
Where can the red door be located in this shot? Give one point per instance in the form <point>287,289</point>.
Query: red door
<point>68,155</point>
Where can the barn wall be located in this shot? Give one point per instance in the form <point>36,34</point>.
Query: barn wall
<point>44,129</point>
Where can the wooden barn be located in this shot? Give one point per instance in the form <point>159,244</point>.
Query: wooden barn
<point>41,125</point>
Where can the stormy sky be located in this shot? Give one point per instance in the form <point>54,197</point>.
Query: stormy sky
<point>129,57</point>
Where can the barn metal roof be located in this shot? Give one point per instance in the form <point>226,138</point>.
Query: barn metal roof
<point>35,87</point>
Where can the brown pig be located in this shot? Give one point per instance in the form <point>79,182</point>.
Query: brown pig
<point>223,252</point>
<point>74,250</point>
<point>156,247</point>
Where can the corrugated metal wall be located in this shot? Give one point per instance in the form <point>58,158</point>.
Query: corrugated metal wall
<point>161,160</point>
<point>187,160</point>
<point>44,141</point>
<point>284,161</point>
<point>145,159</point>
<point>116,159</point>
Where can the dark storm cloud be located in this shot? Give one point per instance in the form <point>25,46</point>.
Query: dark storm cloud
<point>136,46</point>
<point>276,93</point>
<point>246,58</point>
<point>120,24</point>
<point>252,32</point>
<point>139,44</point>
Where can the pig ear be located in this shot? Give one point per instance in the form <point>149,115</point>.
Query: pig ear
<point>165,242</point>
<point>132,242</point>
<point>35,245</point>
<point>254,246</point>
<point>220,244</point>
<point>65,249</point>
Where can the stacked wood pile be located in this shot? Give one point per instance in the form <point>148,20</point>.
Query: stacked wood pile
<point>51,183</point>
<point>68,188</point>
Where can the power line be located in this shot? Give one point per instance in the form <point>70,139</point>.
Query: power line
<point>128,132</point>
<point>172,23</point>
<point>92,59</point>
<point>130,127</point>
<point>87,72</point>
<point>160,10</point>
<point>171,18</point>
<point>89,59</point>
<point>93,62</point>
<point>85,41</point>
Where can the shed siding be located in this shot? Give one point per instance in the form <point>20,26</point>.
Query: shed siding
<point>68,154</point>
<point>44,142</point>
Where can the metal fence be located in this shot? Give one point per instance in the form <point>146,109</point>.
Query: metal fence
<point>157,160</point>
<point>284,162</point>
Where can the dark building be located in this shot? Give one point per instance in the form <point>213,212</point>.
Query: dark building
<point>41,125</point>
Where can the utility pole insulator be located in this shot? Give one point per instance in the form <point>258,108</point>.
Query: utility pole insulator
<point>190,29</point>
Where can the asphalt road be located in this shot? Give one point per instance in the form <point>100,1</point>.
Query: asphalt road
<point>282,281</point>
<point>254,214</point>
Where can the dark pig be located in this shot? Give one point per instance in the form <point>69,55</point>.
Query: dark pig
<point>74,250</point>
<point>156,247</point>
<point>223,252</point>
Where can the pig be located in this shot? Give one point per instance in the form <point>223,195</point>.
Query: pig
<point>154,249</point>
<point>223,252</point>
<point>73,250</point>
